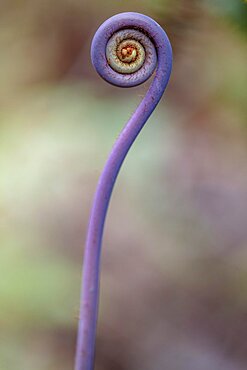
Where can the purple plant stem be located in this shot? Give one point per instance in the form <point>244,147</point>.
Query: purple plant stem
<point>91,267</point>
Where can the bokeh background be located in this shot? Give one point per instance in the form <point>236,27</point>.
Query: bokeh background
<point>174,263</point>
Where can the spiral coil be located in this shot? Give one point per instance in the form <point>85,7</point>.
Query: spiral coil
<point>125,49</point>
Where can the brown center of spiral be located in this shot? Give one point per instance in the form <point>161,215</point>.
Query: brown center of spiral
<point>129,52</point>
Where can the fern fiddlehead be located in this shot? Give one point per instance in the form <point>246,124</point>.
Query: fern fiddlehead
<point>125,51</point>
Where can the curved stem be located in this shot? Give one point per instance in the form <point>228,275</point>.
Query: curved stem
<point>91,269</point>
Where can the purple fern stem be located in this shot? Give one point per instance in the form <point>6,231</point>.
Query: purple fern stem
<point>126,50</point>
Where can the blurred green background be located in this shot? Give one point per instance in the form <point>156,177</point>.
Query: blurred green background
<point>174,263</point>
